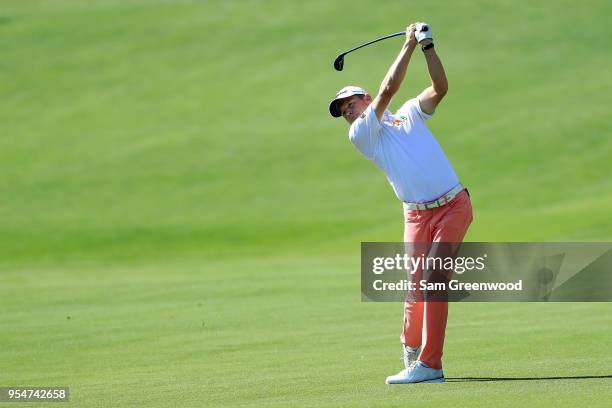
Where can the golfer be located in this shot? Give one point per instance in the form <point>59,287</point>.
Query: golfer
<point>437,207</point>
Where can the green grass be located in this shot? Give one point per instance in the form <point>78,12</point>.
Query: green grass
<point>171,180</point>
<point>273,333</point>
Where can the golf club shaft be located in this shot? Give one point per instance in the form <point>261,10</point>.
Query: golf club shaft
<point>377,40</point>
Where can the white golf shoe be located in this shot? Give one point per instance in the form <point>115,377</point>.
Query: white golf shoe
<point>417,373</point>
<point>411,355</point>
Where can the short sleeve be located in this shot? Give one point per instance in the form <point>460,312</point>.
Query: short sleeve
<point>365,132</point>
<point>412,109</point>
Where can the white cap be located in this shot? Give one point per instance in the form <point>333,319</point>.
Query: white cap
<point>344,93</point>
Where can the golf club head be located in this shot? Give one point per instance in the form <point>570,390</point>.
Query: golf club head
<point>339,62</point>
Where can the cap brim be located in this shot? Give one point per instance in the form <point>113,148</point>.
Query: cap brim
<point>333,109</point>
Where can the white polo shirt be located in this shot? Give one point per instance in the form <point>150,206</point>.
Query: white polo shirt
<point>402,146</point>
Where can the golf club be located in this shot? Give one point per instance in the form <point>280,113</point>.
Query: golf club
<point>339,62</point>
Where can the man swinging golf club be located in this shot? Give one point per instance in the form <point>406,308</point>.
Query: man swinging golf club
<point>437,207</point>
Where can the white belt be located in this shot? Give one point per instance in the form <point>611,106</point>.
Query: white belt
<point>443,200</point>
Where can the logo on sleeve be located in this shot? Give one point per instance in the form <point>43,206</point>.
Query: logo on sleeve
<point>362,115</point>
<point>398,122</point>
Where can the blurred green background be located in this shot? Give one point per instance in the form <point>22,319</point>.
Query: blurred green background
<point>181,218</point>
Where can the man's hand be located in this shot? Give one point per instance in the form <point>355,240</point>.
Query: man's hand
<point>423,33</point>
<point>410,38</point>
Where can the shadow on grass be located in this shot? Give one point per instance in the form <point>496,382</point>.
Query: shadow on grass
<point>579,377</point>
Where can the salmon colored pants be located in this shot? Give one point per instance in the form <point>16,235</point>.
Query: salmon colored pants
<point>425,322</point>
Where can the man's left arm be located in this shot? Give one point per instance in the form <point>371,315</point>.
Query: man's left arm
<point>432,95</point>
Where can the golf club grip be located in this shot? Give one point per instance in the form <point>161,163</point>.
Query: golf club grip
<point>377,40</point>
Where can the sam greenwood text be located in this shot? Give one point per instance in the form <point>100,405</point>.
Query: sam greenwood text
<point>454,284</point>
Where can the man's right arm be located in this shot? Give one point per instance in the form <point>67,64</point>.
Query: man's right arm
<point>391,84</point>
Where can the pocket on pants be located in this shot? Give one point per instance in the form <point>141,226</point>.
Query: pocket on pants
<point>411,216</point>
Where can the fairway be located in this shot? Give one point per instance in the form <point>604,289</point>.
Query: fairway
<point>181,218</point>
